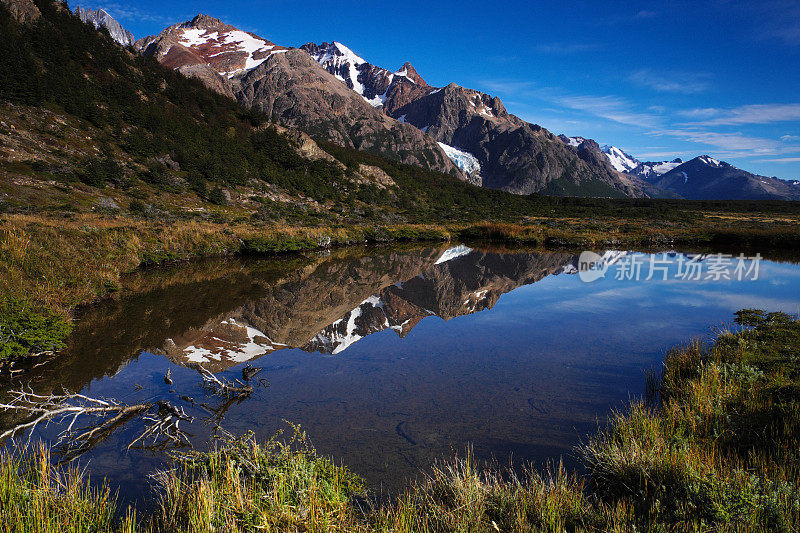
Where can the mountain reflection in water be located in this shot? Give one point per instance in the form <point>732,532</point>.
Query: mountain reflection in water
<point>352,348</point>
<point>340,302</point>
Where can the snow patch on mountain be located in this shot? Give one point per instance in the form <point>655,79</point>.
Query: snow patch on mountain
<point>709,161</point>
<point>655,169</point>
<point>346,64</point>
<point>463,160</point>
<point>404,74</point>
<point>621,161</point>
<point>574,141</point>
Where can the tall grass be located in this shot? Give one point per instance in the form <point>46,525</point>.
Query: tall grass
<point>35,497</point>
<point>243,486</point>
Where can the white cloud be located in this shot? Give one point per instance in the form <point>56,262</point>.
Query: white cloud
<point>727,141</point>
<point>790,138</point>
<point>754,114</point>
<point>672,81</point>
<point>611,108</point>
<point>780,160</point>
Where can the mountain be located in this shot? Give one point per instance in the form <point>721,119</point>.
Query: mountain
<point>702,178</point>
<point>651,170</point>
<point>590,152</point>
<point>378,86</point>
<point>621,161</point>
<point>100,19</point>
<point>493,147</point>
<point>705,178</point>
<point>291,88</point>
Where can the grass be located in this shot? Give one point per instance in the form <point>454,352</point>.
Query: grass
<point>36,497</point>
<point>718,451</point>
<point>243,486</point>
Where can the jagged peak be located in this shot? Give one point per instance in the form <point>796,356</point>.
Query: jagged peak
<point>411,73</point>
<point>205,21</point>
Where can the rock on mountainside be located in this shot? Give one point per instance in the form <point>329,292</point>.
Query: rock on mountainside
<point>705,178</point>
<point>291,88</point>
<point>101,19</point>
<point>496,149</point>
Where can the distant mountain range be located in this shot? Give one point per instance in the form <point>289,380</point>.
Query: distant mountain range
<point>702,178</point>
<point>330,92</point>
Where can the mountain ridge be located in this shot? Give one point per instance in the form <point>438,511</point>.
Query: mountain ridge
<point>288,86</point>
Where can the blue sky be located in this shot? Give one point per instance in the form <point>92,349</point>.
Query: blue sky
<point>658,79</point>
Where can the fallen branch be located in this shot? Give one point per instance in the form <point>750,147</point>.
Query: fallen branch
<point>222,387</point>
<point>102,417</point>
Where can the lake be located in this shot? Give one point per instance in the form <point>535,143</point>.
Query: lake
<point>393,358</point>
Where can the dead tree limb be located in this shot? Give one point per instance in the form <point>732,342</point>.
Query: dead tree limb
<point>222,387</point>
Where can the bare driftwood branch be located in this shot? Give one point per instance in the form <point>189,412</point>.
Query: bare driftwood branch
<point>89,420</point>
<point>222,387</point>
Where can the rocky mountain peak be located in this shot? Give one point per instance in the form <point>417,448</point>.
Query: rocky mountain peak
<point>101,19</point>
<point>205,21</point>
<point>408,71</point>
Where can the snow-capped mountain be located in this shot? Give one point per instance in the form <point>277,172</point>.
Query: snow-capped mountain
<point>293,89</point>
<point>651,169</point>
<point>706,178</point>
<point>208,41</point>
<point>371,82</point>
<point>494,148</point>
<point>101,19</point>
<point>621,161</point>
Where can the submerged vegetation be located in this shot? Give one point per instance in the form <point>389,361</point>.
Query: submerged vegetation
<point>716,449</point>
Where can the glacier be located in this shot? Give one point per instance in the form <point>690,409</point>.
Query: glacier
<point>463,160</point>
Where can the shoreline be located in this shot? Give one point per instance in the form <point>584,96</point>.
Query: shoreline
<point>712,450</point>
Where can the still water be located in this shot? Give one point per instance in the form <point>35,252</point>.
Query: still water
<point>391,359</point>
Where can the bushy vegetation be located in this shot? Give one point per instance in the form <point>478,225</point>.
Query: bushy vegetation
<point>244,486</point>
<point>24,331</point>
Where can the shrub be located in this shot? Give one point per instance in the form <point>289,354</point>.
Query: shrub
<point>24,331</point>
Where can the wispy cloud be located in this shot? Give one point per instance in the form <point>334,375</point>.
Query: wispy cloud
<point>672,81</point>
<point>699,113</point>
<point>780,160</point>
<point>754,114</point>
<point>708,131</point>
<point>566,48</point>
<point>726,141</point>
<point>611,108</point>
